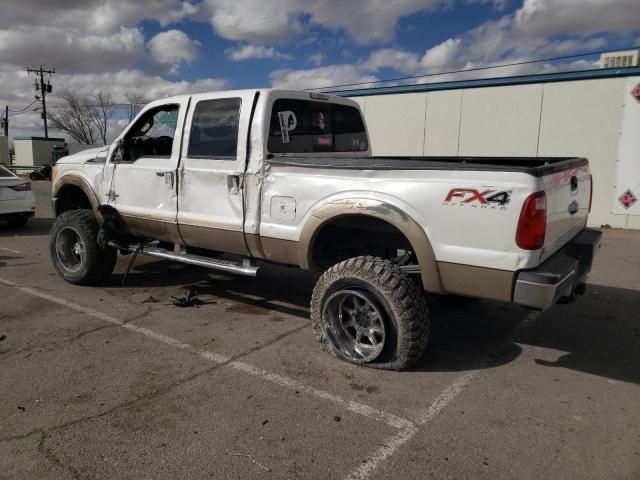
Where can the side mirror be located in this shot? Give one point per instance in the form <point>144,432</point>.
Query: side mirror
<point>118,150</point>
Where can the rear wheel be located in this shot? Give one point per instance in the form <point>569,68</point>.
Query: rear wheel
<point>74,249</point>
<point>366,311</point>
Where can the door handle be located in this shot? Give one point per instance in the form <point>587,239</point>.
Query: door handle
<point>169,177</point>
<point>233,184</point>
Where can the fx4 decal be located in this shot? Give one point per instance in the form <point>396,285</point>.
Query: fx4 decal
<point>484,198</point>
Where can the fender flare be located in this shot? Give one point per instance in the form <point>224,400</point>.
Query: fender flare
<point>378,209</point>
<point>82,184</point>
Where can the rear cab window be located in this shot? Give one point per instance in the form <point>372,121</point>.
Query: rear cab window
<point>304,126</point>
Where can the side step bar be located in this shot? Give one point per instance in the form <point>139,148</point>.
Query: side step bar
<point>240,268</point>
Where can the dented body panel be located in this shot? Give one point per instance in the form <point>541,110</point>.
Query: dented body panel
<point>458,217</point>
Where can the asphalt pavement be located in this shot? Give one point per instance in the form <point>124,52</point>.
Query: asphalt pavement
<point>116,382</point>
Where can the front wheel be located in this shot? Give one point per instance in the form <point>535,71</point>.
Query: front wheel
<point>74,249</point>
<point>366,311</point>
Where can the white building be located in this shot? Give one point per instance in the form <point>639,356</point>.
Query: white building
<point>35,151</point>
<point>622,59</point>
<point>593,114</point>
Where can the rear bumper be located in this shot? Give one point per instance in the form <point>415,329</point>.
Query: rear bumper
<point>560,276</point>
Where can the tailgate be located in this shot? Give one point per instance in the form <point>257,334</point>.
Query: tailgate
<point>568,195</point>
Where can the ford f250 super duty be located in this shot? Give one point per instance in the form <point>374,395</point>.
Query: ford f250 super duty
<point>231,180</point>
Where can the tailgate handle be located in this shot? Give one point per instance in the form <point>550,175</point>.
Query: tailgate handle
<point>574,183</point>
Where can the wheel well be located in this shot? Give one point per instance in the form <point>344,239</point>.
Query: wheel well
<point>350,236</point>
<point>71,197</point>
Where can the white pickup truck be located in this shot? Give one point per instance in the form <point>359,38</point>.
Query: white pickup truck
<point>231,180</point>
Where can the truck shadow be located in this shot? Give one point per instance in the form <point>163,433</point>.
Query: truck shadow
<point>598,335</point>
<point>35,227</point>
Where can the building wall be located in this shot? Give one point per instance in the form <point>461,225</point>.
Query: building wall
<point>4,150</point>
<point>42,151</point>
<point>35,151</point>
<point>573,118</point>
<point>23,152</point>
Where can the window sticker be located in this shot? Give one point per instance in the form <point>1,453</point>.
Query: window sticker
<point>288,122</point>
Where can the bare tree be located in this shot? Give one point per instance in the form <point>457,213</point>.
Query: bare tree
<point>75,117</point>
<point>136,102</point>
<point>102,112</point>
<point>86,121</point>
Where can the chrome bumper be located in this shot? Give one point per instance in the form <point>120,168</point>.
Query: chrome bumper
<point>559,277</point>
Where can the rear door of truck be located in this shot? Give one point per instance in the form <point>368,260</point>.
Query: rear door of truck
<point>211,197</point>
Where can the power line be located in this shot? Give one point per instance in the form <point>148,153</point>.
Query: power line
<point>26,111</point>
<point>475,69</point>
<point>22,109</point>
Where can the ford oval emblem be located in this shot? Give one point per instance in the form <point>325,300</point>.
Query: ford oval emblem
<point>573,207</point>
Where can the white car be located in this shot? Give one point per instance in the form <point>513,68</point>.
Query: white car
<point>17,201</point>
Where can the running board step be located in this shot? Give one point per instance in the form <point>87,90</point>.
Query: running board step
<point>240,268</point>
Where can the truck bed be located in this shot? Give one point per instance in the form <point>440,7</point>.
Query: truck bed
<point>536,166</point>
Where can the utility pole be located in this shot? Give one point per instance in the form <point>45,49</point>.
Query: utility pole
<point>44,89</point>
<point>5,121</point>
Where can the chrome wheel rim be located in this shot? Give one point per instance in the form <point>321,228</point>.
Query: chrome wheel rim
<point>70,250</point>
<point>355,325</point>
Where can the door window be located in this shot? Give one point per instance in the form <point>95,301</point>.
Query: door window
<point>214,129</point>
<point>152,135</point>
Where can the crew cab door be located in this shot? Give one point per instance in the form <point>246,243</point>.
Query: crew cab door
<point>210,194</point>
<point>144,184</point>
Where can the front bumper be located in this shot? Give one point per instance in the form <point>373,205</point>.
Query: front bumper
<point>560,276</point>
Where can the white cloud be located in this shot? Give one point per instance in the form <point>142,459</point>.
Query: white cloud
<point>279,21</point>
<point>317,58</point>
<point>319,77</point>
<point>518,37</point>
<point>70,50</point>
<point>566,17</point>
<point>97,17</point>
<point>246,52</point>
<point>17,91</point>
<point>82,35</point>
<point>172,48</point>
<point>254,21</point>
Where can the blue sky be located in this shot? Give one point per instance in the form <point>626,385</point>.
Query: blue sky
<point>162,47</point>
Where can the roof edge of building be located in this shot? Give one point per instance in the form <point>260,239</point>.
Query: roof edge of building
<point>599,73</point>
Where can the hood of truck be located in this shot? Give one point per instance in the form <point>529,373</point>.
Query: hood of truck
<point>94,155</point>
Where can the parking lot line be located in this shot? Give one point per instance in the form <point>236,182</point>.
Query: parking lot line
<point>393,443</point>
<point>406,428</point>
<point>12,251</point>
<point>350,405</point>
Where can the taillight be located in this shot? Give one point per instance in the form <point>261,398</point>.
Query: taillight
<point>532,225</point>
<point>590,192</point>
<point>23,187</point>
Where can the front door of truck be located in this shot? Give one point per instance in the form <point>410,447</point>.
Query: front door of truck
<point>144,184</point>
<point>210,194</point>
